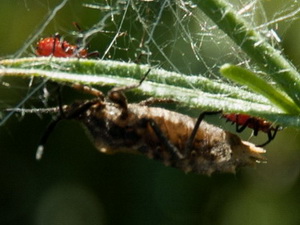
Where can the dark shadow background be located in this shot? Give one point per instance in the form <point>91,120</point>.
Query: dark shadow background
<point>75,184</point>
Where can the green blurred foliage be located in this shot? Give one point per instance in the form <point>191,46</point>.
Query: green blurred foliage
<point>75,184</point>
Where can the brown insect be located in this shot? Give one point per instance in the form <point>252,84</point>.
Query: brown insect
<point>177,140</point>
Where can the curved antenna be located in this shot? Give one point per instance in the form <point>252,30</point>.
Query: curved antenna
<point>43,140</point>
<point>69,113</point>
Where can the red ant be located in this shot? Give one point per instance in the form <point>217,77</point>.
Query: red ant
<point>256,123</point>
<point>56,46</point>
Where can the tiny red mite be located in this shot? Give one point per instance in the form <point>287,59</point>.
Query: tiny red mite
<point>55,46</point>
<point>177,140</point>
<point>256,123</point>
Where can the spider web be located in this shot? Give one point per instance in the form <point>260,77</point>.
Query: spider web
<point>174,35</point>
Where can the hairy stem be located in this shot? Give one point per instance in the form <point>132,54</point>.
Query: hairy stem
<point>251,42</point>
<point>259,85</point>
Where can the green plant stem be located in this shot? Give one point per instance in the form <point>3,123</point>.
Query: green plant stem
<point>257,84</point>
<point>158,83</point>
<point>102,68</point>
<point>212,95</point>
<point>258,49</point>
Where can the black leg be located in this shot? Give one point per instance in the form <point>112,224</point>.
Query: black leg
<point>189,143</point>
<point>239,128</point>
<point>56,36</point>
<point>264,144</point>
<point>270,136</point>
<point>117,96</point>
<point>275,132</point>
<point>163,139</point>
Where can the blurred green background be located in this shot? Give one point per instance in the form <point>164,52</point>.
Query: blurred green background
<point>75,184</point>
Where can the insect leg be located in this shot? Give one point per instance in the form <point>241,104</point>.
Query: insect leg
<point>189,143</point>
<point>82,88</point>
<point>241,128</point>
<point>270,136</point>
<point>56,37</point>
<point>94,54</point>
<point>88,90</point>
<point>117,96</point>
<point>125,88</point>
<point>163,139</point>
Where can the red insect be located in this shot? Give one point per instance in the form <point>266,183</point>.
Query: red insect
<point>256,123</point>
<point>57,47</point>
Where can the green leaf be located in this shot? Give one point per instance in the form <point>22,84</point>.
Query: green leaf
<point>258,85</point>
<point>192,91</point>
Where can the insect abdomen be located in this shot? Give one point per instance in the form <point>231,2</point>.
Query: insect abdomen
<point>212,150</point>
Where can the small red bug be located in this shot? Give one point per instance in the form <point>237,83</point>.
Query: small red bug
<point>57,47</point>
<point>256,123</point>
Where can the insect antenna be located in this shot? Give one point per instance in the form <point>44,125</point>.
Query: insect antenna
<point>129,87</point>
<point>93,54</point>
<point>69,113</point>
<point>76,25</point>
<point>43,140</point>
<point>51,126</point>
<point>48,130</point>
